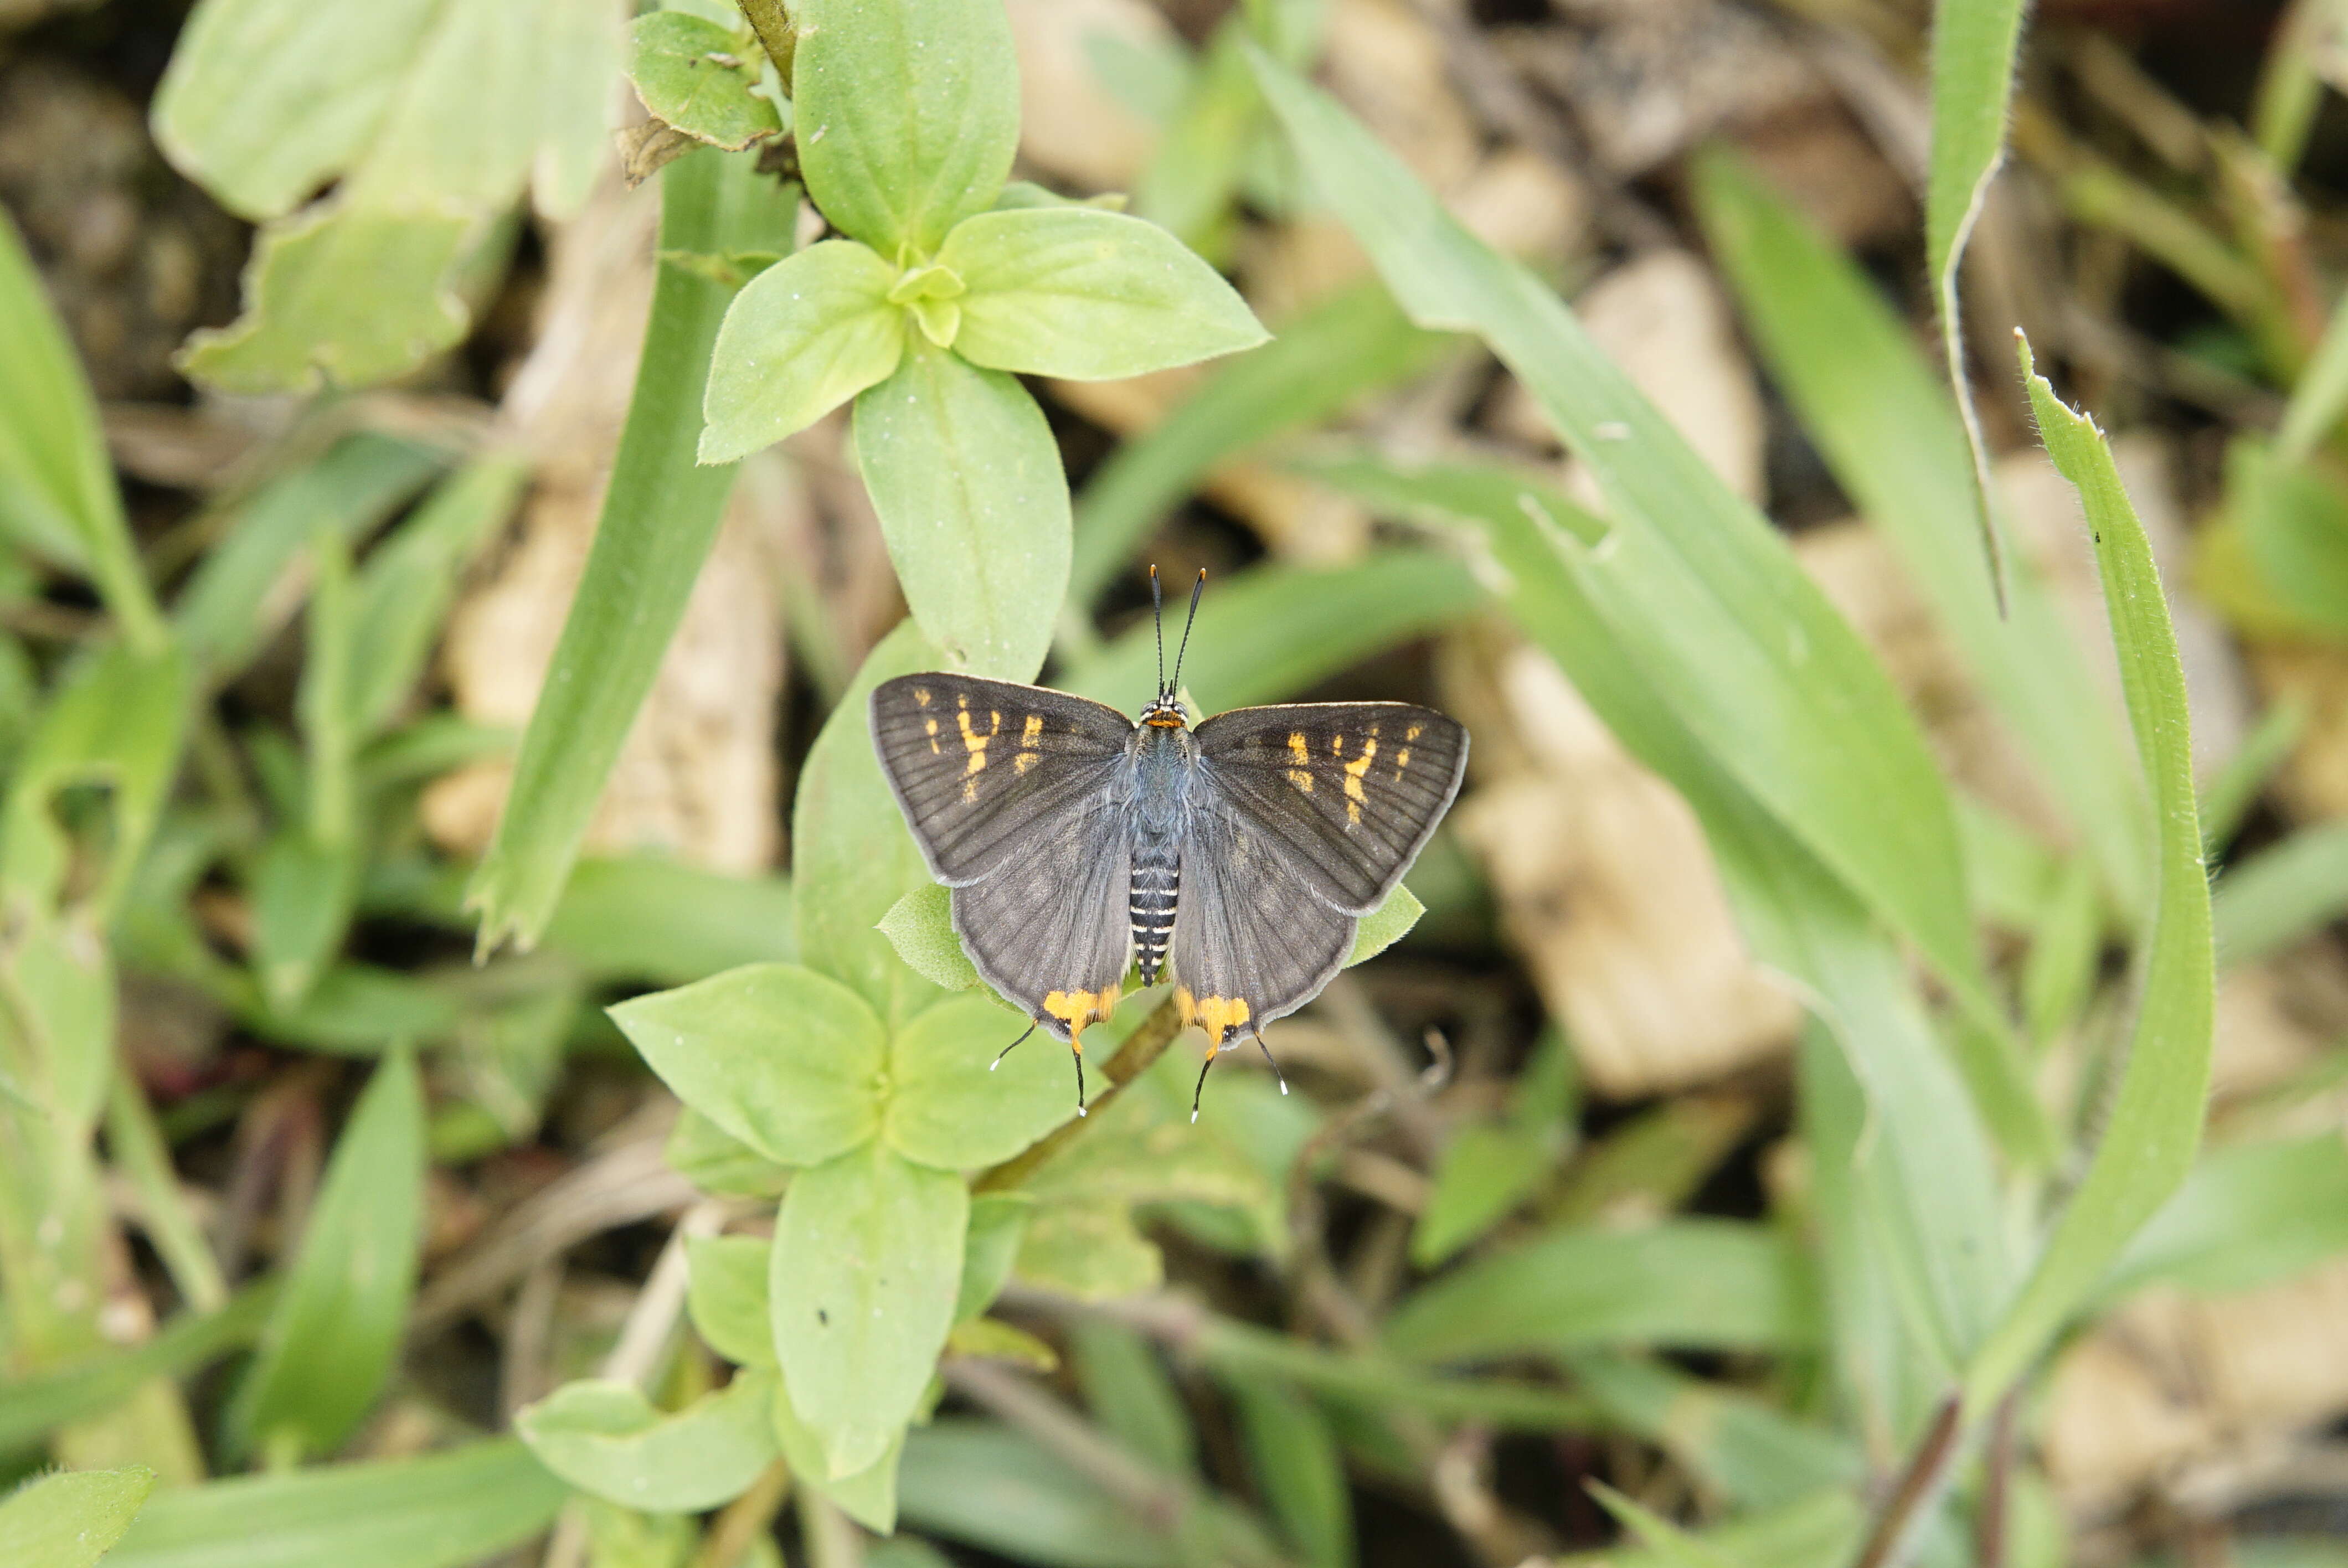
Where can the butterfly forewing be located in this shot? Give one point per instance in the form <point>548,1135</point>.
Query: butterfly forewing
<point>982,766</point>
<point>1346,792</point>
<point>1252,942</point>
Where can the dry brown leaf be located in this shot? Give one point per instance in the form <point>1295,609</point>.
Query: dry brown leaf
<point>1071,125</point>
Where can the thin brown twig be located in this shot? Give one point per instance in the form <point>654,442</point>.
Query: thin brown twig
<point>1076,1441</point>
<point>745,1519</point>
<point>1997,1487</point>
<point>1920,1483</point>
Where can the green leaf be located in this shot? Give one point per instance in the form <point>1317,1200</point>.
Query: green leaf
<point>919,926</point>
<point>908,115</point>
<point>2321,394</point>
<point>953,1104</point>
<point>1973,47</point>
<point>972,1481</point>
<point>57,495</point>
<point>1753,1452</point>
<point>645,916</point>
<point>264,100</point>
<point>997,1223</point>
<point>301,895</point>
<point>606,1439</point>
<point>726,1294</point>
<point>1691,1284</point>
<point>1333,354</point>
<point>331,1342</point>
<point>786,1059</point>
<point>2294,522</point>
<point>340,296</point>
<point>2284,892</point>
<point>966,477</point>
<point>1266,634</point>
<point>1704,595</point>
<point>2154,1122</point>
<point>716,1162</point>
<point>31,1406</point>
<point>868,1496</point>
<point>115,720</point>
<point>1668,1541</point>
<point>1884,424</point>
<point>447,1510</point>
<point>71,1519</point>
<point>1077,292</point>
<point>2250,1216</point>
<point>853,858</point>
<point>660,517</point>
<point>1299,1467</point>
<point>1484,1172</point>
<point>670,61</point>
<point>867,1252</point>
<point>1131,1395</point>
<point>404,589</point>
<point>801,338</point>
<point>359,481</point>
<point>1385,926</point>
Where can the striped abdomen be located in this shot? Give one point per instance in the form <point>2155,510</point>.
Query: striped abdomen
<point>1157,880</point>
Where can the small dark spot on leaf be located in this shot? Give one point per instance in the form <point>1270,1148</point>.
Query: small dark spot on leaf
<point>823,1317</point>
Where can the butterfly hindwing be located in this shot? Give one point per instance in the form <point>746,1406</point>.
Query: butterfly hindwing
<point>1047,928</point>
<point>981,767</point>
<point>1346,793</point>
<point>1251,942</point>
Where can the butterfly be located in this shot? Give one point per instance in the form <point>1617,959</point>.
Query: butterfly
<point>1078,843</point>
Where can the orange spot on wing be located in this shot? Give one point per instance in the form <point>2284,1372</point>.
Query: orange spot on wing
<point>1221,1017</point>
<point>921,696</point>
<point>1354,770</point>
<point>1080,1007</point>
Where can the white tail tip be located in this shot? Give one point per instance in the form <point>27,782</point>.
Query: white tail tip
<point>1081,1110</point>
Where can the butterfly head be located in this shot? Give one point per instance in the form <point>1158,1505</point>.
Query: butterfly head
<point>1165,710</point>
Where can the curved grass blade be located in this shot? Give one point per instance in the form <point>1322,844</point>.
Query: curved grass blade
<point>1973,47</point>
<point>2155,1123</point>
<point>660,517</point>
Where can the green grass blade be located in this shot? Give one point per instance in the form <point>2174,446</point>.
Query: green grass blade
<point>359,481</point>
<point>1343,348</point>
<point>1690,1283</point>
<point>57,484</point>
<point>30,1407</point>
<point>447,1510</point>
<point>660,517</point>
<point>2154,1122</point>
<point>1885,428</point>
<point>2250,1216</point>
<point>2321,395</point>
<point>2281,893</point>
<point>1267,634</point>
<point>70,1519</point>
<point>337,1329</point>
<point>1752,1451</point>
<point>1973,47</point>
<point>1732,634</point>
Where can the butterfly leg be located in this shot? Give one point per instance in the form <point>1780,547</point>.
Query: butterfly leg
<point>1011,1047</point>
<point>1259,1045</point>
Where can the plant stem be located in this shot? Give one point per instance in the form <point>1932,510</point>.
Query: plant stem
<point>1890,1541</point>
<point>1139,1052</point>
<point>772,22</point>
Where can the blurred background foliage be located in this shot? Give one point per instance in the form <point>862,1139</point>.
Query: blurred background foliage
<point>1796,943</point>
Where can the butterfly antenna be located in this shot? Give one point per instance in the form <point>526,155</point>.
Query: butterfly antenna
<point>1199,1088</point>
<point>1008,1050</point>
<point>1157,618</point>
<point>1197,588</point>
<point>1260,1046</point>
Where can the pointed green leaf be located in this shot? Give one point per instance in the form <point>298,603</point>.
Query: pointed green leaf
<point>965,475</point>
<point>71,1519</point>
<point>330,1344</point>
<point>606,1439</point>
<point>997,1222</point>
<point>908,115</point>
<point>868,1250</point>
<point>868,1497</point>
<point>784,1058</point>
<point>1077,292</point>
<point>2147,1140</point>
<point>801,338</point>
